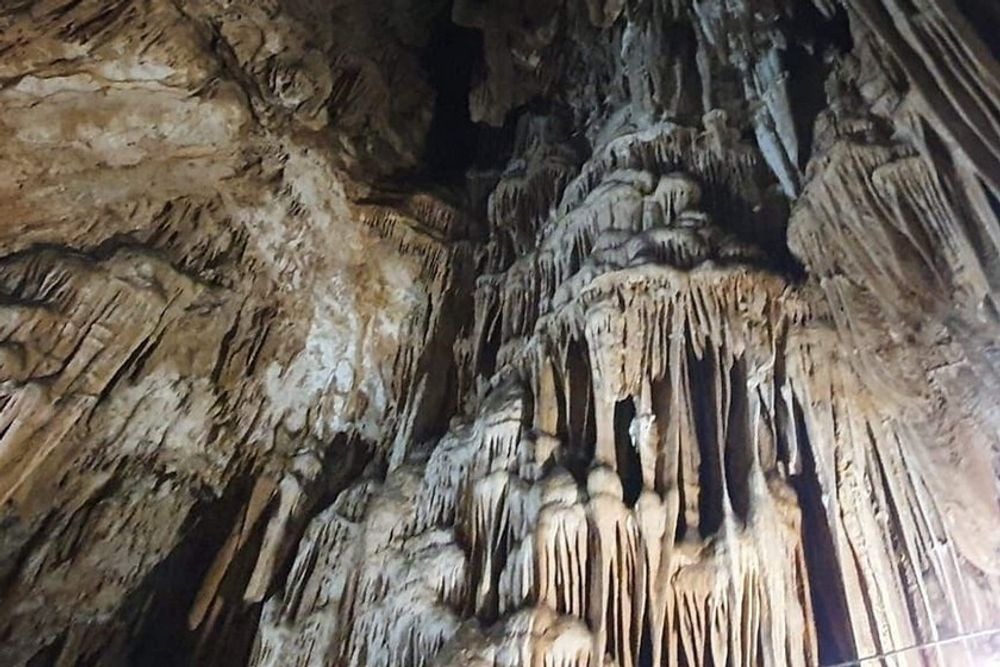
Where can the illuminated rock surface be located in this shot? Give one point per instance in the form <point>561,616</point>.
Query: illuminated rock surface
<point>492,333</point>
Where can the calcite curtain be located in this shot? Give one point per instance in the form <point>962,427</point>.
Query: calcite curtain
<point>499,333</point>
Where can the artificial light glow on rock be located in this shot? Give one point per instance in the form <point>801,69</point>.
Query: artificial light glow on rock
<point>492,333</point>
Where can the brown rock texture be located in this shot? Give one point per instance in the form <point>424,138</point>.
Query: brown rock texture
<point>500,333</point>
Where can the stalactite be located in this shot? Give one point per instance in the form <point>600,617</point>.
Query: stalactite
<point>537,334</point>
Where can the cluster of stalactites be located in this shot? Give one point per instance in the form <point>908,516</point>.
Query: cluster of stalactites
<point>670,532</point>
<point>383,577</point>
<point>433,239</point>
<point>904,235</point>
<point>529,189</point>
<point>693,556</point>
<point>916,560</point>
<point>661,432</point>
<point>628,499</point>
<point>628,207</point>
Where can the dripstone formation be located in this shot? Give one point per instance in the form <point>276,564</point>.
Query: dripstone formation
<point>499,333</point>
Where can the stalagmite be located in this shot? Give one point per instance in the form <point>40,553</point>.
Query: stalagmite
<point>617,584</point>
<point>562,543</point>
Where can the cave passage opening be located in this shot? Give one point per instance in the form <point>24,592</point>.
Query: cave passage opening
<point>450,60</point>
<point>455,143</point>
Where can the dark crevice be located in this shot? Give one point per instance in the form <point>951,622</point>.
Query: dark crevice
<point>161,636</point>
<point>984,18</point>
<point>48,656</point>
<point>452,60</point>
<point>627,458</point>
<point>645,655</point>
<point>808,65</point>
<point>807,97</point>
<point>704,395</point>
<point>829,600</point>
<point>739,441</point>
<point>578,431</point>
<point>161,604</point>
<point>491,345</point>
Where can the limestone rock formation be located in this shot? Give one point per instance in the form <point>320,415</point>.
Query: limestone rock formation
<point>400,333</point>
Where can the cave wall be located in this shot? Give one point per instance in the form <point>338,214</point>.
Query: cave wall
<point>635,332</point>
